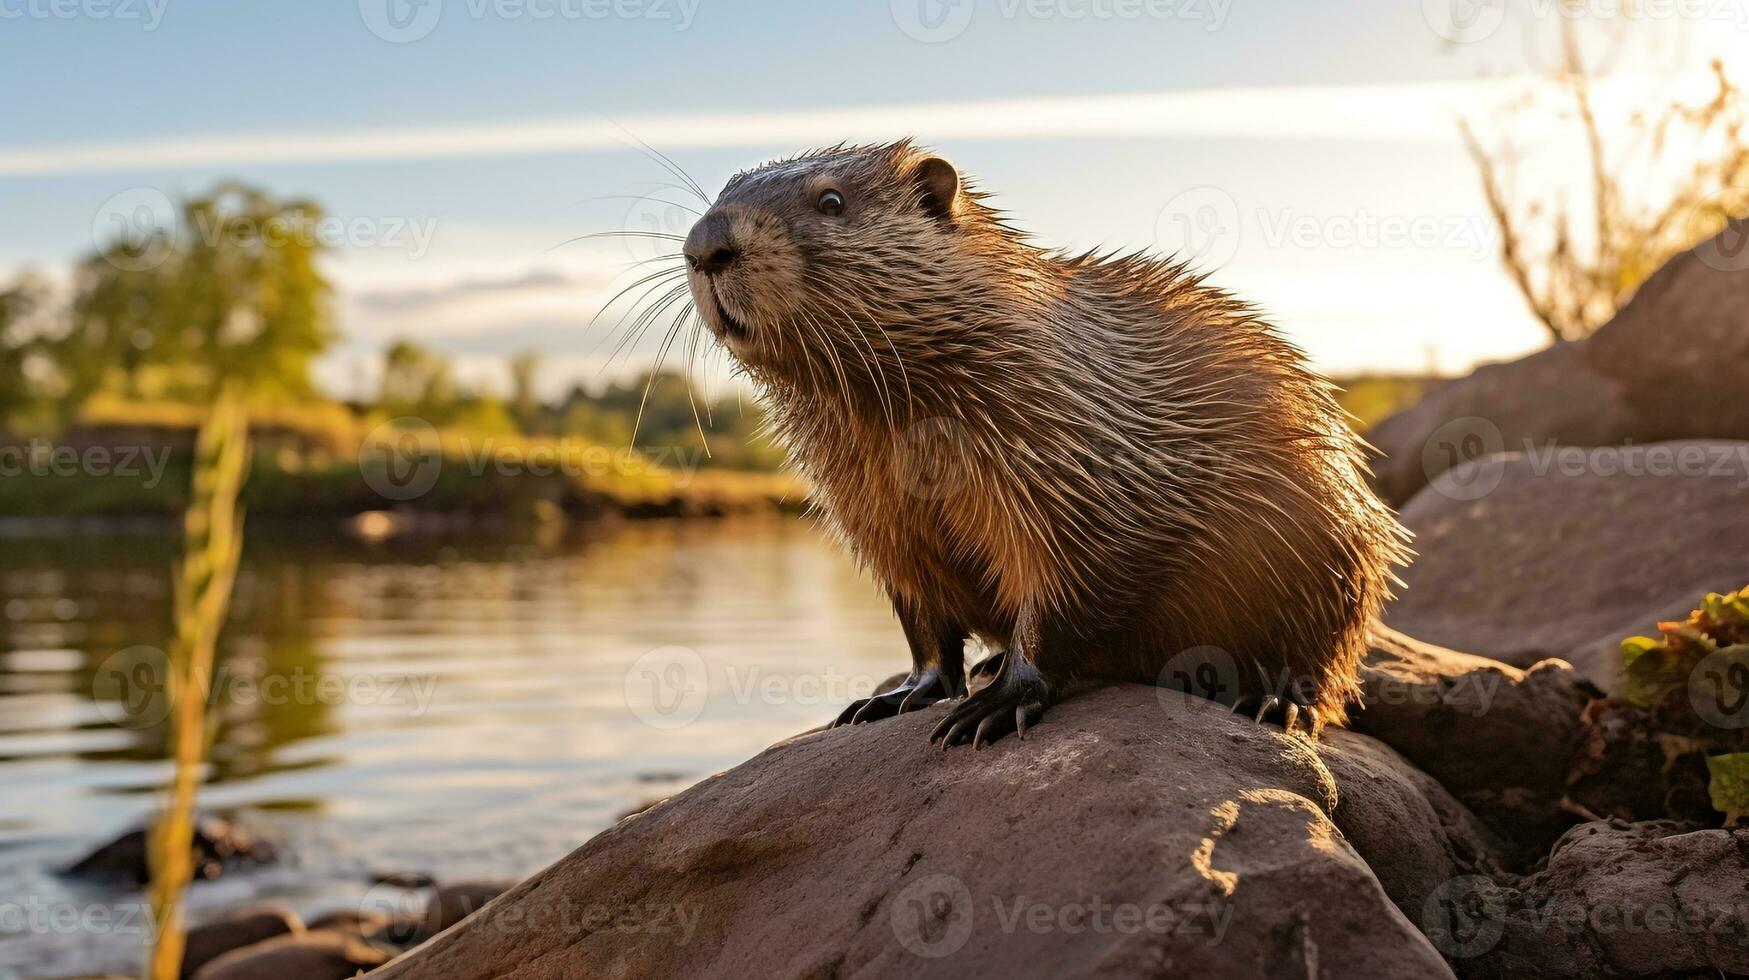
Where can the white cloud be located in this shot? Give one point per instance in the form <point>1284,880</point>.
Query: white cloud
<point>1412,112</point>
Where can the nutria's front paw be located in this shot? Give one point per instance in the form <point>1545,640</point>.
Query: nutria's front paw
<point>920,690</point>
<point>1014,700</point>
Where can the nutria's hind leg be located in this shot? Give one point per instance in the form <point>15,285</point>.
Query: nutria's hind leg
<point>1014,699</point>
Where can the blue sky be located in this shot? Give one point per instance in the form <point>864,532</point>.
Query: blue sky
<point>463,145</point>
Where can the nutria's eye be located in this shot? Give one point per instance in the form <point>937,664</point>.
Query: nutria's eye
<point>831,204</point>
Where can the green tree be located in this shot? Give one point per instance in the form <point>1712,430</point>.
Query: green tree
<point>25,312</point>
<point>231,292</point>
<point>417,381</point>
<point>525,404</point>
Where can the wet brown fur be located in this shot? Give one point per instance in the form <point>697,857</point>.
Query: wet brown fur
<point>1131,461</point>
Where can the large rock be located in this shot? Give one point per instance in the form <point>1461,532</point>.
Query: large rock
<point>1681,346</point>
<point>235,930</point>
<point>304,956</point>
<point>218,845</point>
<point>1501,739</point>
<point>1550,396</point>
<point>1134,832</point>
<point>1654,899</point>
<point>1672,364</point>
<point>1524,557</point>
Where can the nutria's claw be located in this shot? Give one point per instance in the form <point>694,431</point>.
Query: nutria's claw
<point>1288,711</point>
<point>916,692</point>
<point>1012,702</point>
<point>1269,704</point>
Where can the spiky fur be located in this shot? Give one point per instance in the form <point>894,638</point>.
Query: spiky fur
<point>1135,456</point>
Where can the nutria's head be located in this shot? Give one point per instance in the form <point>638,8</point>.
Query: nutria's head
<point>839,260</point>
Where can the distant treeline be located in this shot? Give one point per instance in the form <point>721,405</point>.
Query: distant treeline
<point>172,305</point>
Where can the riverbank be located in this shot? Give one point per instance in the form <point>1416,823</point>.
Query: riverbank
<point>323,465</point>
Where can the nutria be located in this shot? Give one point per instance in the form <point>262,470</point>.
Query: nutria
<point>1095,463</point>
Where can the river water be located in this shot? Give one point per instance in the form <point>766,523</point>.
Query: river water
<point>456,708</point>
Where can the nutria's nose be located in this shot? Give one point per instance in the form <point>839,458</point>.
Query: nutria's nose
<point>710,248</point>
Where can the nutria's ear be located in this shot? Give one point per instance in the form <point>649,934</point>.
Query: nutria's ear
<point>940,184</point>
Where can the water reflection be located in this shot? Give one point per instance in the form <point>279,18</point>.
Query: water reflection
<point>456,708</point>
